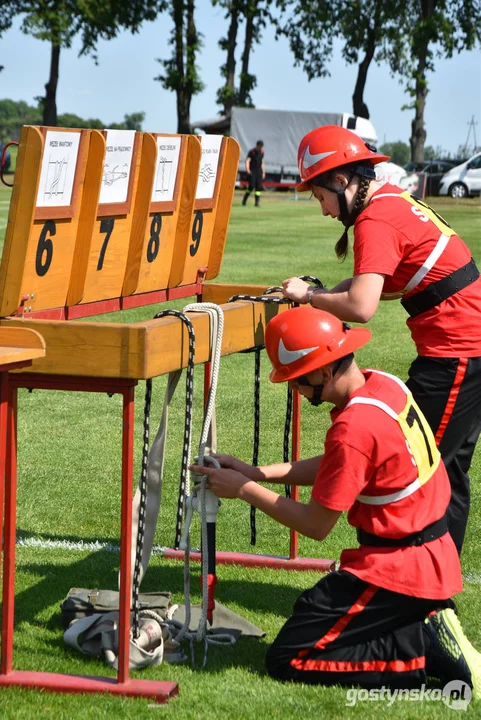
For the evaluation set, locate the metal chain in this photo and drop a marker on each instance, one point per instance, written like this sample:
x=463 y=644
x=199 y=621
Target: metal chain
x=287 y=436
x=145 y=454
x=257 y=430
x=266 y=298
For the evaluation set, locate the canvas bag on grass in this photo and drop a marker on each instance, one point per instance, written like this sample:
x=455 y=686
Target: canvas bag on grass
x=97 y=635
x=82 y=602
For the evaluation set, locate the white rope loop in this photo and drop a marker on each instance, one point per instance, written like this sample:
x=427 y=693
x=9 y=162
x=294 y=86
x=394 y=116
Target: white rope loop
x=216 y=317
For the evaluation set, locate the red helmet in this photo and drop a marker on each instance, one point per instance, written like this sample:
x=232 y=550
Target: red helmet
x=304 y=339
x=329 y=147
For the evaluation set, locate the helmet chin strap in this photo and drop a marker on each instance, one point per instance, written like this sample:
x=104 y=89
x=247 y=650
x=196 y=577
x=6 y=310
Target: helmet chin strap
x=316 y=397
x=344 y=214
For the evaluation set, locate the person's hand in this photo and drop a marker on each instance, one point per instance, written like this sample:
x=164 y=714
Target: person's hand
x=296 y=290
x=224 y=482
x=229 y=461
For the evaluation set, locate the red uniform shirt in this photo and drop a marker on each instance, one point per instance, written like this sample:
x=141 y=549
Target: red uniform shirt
x=366 y=453
x=393 y=238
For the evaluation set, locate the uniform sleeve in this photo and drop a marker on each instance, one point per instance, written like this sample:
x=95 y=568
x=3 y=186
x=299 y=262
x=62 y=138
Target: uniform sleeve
x=343 y=473
x=378 y=247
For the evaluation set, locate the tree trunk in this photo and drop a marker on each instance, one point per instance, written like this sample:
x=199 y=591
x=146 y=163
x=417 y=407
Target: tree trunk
x=190 y=71
x=244 y=86
x=359 y=107
x=418 y=133
x=183 y=124
x=230 y=62
x=49 y=102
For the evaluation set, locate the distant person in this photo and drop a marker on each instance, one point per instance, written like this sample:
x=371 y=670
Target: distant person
x=404 y=250
x=255 y=171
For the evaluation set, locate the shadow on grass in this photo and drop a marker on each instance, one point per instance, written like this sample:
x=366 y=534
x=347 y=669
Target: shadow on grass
x=99 y=569
x=49 y=582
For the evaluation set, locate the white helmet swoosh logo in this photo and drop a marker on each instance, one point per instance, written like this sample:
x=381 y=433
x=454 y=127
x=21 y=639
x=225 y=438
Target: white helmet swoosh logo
x=309 y=159
x=288 y=356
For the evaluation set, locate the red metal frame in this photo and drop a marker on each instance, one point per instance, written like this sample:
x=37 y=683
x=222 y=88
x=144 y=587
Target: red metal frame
x=105 y=306
x=157 y=690
x=123 y=685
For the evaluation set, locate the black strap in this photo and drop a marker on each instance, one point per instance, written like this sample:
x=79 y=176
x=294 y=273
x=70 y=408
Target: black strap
x=431 y=532
x=438 y=291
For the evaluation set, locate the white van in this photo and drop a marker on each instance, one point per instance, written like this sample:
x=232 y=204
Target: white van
x=463 y=180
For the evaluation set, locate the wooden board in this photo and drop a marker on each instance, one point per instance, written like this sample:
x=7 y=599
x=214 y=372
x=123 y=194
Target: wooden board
x=166 y=210
x=211 y=215
x=111 y=236
x=142 y=350
x=42 y=232
x=18 y=344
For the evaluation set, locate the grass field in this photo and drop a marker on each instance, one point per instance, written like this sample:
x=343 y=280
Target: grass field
x=69 y=490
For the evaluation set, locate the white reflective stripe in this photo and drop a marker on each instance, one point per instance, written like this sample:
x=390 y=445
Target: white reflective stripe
x=415 y=484
x=428 y=263
x=376 y=197
x=402 y=385
x=432 y=258
x=392 y=498
x=371 y=401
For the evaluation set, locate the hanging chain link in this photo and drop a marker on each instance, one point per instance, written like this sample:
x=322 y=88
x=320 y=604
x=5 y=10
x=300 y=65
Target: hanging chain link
x=266 y=297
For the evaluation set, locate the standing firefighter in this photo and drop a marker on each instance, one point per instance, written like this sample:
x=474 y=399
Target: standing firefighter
x=404 y=249
x=255 y=171
x=385 y=618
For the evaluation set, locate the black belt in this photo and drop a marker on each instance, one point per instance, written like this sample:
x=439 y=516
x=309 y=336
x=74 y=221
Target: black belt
x=430 y=532
x=438 y=291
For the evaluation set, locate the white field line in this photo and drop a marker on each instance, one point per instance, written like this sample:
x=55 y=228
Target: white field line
x=469 y=578
x=90 y=546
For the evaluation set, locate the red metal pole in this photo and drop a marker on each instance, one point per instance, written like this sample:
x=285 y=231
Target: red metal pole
x=207 y=374
x=8 y=412
x=295 y=454
x=126 y=532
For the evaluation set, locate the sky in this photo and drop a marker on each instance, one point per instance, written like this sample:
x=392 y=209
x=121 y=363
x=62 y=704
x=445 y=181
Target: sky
x=123 y=82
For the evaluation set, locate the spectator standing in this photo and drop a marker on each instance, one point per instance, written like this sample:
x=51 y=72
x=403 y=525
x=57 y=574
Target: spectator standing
x=255 y=171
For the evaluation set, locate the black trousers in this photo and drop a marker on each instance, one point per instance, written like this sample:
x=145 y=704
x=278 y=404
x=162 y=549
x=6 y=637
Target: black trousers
x=255 y=181
x=345 y=631
x=448 y=391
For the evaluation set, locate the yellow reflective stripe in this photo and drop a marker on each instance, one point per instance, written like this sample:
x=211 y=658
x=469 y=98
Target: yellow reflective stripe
x=419 y=442
x=427 y=212
x=424 y=212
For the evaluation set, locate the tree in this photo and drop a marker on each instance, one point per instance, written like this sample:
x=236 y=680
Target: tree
x=132 y=121
x=227 y=95
x=433 y=29
x=8 y=10
x=59 y=21
x=256 y=13
x=399 y=151
x=180 y=71
x=15 y=114
x=367 y=29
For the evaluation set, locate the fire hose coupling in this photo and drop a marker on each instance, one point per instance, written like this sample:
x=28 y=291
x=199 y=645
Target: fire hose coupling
x=212 y=505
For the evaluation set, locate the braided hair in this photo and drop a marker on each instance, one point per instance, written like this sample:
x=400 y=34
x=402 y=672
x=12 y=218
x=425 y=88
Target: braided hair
x=341 y=247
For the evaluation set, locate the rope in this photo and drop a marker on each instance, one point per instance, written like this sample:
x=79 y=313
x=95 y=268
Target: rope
x=137 y=576
x=216 y=317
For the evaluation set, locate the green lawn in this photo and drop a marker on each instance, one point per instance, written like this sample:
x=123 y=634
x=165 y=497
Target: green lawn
x=69 y=489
